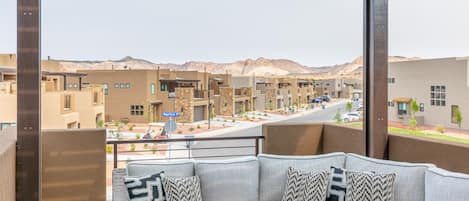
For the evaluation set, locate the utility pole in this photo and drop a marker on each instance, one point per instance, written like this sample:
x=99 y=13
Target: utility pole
x=208 y=106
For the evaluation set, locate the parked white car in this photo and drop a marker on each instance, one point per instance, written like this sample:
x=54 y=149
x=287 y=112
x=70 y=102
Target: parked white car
x=351 y=116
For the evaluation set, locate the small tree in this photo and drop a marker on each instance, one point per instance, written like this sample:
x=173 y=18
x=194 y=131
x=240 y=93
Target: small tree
x=414 y=107
x=349 y=106
x=132 y=147
x=458 y=117
x=338 y=117
x=413 y=123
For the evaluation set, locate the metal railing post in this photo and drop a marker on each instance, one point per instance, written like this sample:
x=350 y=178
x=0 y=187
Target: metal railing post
x=257 y=146
x=115 y=155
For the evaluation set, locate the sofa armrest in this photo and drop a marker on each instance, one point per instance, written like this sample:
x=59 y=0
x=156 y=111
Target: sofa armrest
x=119 y=190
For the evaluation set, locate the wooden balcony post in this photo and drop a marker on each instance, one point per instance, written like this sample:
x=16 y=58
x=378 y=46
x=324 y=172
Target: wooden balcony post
x=28 y=187
x=375 y=62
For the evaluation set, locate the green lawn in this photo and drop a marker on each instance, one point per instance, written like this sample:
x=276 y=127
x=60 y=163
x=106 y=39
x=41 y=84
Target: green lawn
x=417 y=133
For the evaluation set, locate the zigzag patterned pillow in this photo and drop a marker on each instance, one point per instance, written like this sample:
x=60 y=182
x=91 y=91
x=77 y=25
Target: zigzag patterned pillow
x=145 y=188
x=182 y=188
x=306 y=186
x=363 y=186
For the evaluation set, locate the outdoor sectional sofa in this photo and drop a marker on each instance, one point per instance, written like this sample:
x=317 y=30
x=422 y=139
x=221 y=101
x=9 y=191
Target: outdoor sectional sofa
x=264 y=178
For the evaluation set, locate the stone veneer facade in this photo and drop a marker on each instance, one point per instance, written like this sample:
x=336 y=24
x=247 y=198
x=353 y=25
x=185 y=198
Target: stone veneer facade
x=226 y=107
x=184 y=104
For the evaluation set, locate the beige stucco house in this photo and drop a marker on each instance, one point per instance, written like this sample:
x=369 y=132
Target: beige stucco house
x=439 y=86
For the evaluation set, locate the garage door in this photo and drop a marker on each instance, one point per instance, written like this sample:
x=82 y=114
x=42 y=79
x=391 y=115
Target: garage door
x=238 y=106
x=199 y=112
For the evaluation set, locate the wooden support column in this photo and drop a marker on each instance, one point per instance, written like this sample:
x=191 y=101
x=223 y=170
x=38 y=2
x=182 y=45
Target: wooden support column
x=28 y=100
x=375 y=62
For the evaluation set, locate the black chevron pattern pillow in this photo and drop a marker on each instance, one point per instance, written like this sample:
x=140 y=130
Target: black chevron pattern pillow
x=306 y=186
x=148 y=188
x=369 y=187
x=182 y=188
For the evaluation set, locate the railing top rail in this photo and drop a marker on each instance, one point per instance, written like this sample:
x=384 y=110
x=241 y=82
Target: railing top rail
x=184 y=139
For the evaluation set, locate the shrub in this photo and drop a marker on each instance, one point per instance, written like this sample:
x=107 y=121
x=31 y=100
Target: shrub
x=145 y=146
x=109 y=149
x=191 y=129
x=233 y=120
x=179 y=131
x=338 y=117
x=132 y=147
x=440 y=128
x=131 y=128
x=100 y=124
x=154 y=148
x=265 y=115
x=138 y=136
x=198 y=126
x=224 y=120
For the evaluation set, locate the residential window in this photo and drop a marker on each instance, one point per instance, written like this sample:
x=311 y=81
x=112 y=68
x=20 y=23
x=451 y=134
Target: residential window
x=401 y=108
x=153 y=88
x=106 y=88
x=95 y=97
x=164 y=87
x=391 y=104
x=116 y=85
x=127 y=85
x=136 y=110
x=391 y=80
x=438 y=95
x=68 y=102
x=122 y=85
x=454 y=108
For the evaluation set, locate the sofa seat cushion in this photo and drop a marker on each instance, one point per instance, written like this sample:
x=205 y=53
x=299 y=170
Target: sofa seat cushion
x=179 y=168
x=273 y=170
x=410 y=177
x=229 y=180
x=444 y=185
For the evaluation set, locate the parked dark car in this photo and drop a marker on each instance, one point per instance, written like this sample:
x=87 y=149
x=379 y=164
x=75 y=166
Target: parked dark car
x=317 y=100
x=326 y=98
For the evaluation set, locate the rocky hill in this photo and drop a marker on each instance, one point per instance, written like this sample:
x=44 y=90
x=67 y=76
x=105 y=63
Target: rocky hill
x=260 y=66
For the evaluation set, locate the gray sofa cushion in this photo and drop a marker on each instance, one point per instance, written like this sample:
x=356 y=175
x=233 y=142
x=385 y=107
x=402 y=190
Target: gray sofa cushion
x=273 y=170
x=182 y=168
x=229 y=180
x=178 y=168
x=444 y=185
x=410 y=177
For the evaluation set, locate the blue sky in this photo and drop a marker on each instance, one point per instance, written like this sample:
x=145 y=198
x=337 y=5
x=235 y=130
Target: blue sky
x=312 y=32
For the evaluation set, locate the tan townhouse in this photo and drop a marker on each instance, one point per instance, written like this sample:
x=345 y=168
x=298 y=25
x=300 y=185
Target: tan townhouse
x=141 y=96
x=439 y=86
x=80 y=107
x=339 y=87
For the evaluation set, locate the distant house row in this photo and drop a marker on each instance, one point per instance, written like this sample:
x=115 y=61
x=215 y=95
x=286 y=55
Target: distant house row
x=141 y=96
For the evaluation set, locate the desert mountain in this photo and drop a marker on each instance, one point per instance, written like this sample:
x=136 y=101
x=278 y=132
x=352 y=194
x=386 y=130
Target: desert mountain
x=260 y=66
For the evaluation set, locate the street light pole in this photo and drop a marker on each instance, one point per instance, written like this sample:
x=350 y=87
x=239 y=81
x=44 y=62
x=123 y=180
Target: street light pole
x=208 y=106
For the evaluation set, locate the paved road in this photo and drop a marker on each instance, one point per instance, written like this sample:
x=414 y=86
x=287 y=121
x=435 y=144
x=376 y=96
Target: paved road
x=325 y=115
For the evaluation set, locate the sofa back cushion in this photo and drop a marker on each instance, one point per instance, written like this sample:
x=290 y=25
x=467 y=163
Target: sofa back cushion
x=179 y=168
x=273 y=171
x=229 y=180
x=183 y=168
x=444 y=185
x=410 y=177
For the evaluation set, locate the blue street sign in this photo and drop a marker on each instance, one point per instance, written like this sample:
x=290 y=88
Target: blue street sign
x=170 y=114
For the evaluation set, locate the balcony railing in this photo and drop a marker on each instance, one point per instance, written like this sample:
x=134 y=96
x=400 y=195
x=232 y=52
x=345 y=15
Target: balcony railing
x=187 y=145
